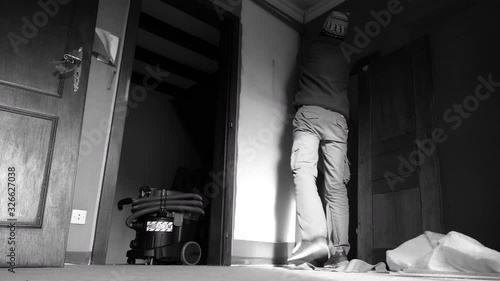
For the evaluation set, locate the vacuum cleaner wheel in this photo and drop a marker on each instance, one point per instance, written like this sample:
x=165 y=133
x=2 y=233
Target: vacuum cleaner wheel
x=191 y=253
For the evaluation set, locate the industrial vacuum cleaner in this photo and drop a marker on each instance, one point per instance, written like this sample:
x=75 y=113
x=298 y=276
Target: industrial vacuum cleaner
x=166 y=226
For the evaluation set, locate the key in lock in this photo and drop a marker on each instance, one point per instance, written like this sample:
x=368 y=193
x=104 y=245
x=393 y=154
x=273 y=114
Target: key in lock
x=71 y=62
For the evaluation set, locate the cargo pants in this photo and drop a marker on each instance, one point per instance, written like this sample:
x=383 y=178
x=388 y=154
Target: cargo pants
x=314 y=129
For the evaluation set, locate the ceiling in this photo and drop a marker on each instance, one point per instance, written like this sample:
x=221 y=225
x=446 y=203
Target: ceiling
x=304 y=4
x=304 y=10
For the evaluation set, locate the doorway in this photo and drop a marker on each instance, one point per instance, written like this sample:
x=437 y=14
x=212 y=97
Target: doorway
x=179 y=82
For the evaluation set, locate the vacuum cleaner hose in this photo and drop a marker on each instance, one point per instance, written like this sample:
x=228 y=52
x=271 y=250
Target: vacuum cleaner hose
x=143 y=212
x=166 y=203
x=171 y=197
x=179 y=202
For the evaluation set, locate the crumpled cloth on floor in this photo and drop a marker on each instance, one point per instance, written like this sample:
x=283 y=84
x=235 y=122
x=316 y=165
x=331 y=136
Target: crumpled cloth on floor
x=454 y=252
x=354 y=265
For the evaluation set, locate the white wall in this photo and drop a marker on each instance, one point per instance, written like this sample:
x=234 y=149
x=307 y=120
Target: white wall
x=112 y=16
x=461 y=52
x=265 y=203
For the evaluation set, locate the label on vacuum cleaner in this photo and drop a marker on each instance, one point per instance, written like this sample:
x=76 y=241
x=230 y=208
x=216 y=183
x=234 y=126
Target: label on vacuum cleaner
x=164 y=226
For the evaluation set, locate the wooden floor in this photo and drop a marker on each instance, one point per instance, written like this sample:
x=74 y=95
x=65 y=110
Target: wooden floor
x=201 y=273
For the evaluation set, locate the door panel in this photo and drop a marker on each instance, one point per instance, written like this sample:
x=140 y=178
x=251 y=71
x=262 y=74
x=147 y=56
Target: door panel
x=34 y=136
x=409 y=214
x=40 y=124
x=389 y=161
x=395 y=186
x=29 y=26
x=392 y=103
x=383 y=186
x=385 y=228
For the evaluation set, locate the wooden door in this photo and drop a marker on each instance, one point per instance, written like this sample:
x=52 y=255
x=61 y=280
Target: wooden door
x=399 y=183
x=40 y=125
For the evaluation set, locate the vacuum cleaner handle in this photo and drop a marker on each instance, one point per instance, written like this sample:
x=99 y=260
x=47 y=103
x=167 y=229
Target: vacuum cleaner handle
x=144 y=190
x=126 y=201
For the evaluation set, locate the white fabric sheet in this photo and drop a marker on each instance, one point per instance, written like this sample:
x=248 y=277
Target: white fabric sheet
x=454 y=252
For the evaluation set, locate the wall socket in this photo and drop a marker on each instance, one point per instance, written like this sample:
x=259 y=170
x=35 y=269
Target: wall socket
x=78 y=216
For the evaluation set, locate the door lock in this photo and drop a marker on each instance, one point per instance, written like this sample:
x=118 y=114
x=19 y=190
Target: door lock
x=71 y=62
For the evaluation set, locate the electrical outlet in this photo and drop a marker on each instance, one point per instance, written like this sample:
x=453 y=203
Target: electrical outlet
x=78 y=216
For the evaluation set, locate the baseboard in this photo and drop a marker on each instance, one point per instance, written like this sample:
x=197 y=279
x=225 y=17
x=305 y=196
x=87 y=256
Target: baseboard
x=263 y=253
x=78 y=257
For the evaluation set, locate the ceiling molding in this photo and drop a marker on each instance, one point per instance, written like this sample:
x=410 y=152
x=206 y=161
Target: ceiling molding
x=320 y=8
x=290 y=9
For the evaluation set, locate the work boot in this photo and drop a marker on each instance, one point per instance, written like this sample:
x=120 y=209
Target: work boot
x=337 y=259
x=314 y=251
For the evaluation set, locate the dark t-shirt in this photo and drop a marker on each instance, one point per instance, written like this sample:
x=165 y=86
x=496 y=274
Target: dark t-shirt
x=324 y=76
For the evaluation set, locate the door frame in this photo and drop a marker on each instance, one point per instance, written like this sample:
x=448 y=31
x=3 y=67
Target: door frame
x=222 y=203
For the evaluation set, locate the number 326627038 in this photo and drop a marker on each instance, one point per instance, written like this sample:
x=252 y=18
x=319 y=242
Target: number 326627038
x=11 y=186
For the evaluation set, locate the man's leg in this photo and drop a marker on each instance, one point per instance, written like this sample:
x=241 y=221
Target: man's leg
x=310 y=214
x=311 y=217
x=336 y=170
x=337 y=204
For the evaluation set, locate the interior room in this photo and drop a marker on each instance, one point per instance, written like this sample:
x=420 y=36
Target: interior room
x=197 y=98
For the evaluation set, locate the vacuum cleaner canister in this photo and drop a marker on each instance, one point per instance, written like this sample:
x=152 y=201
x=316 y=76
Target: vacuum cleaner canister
x=166 y=226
